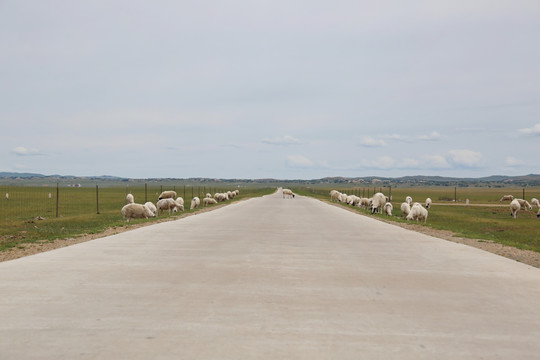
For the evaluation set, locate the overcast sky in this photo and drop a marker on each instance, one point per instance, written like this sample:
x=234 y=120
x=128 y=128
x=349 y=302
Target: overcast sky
x=295 y=89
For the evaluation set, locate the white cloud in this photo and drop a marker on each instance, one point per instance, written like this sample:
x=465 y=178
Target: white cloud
x=381 y=163
x=430 y=137
x=512 y=161
x=299 y=161
x=466 y=158
x=284 y=141
x=367 y=141
x=436 y=162
x=23 y=151
x=535 y=130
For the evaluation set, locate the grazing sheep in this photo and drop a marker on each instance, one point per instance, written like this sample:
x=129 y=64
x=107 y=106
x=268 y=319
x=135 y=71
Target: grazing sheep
x=343 y=197
x=514 y=208
x=428 y=203
x=287 y=193
x=377 y=202
x=130 y=199
x=136 y=211
x=418 y=213
x=220 y=197
x=7 y=196
x=152 y=207
x=524 y=204
x=208 y=195
x=195 y=202
x=180 y=200
x=388 y=208
x=353 y=200
x=535 y=202
x=335 y=195
x=167 y=195
x=209 y=201
x=405 y=209
x=507 y=198
x=408 y=200
x=169 y=205
x=364 y=203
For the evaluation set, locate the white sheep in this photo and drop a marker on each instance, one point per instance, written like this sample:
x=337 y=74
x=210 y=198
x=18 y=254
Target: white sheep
x=535 y=202
x=169 y=205
x=335 y=195
x=388 y=208
x=405 y=209
x=377 y=202
x=514 y=208
x=408 y=200
x=209 y=201
x=195 y=202
x=343 y=197
x=152 y=207
x=287 y=193
x=524 y=204
x=136 y=211
x=507 y=198
x=130 y=199
x=418 y=213
x=208 y=195
x=428 y=203
x=364 y=203
x=353 y=200
x=180 y=200
x=7 y=196
x=169 y=194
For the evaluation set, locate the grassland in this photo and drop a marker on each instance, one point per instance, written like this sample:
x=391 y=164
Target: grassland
x=36 y=214
x=485 y=218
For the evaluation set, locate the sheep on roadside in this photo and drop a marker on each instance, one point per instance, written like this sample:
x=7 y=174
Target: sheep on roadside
x=535 y=202
x=524 y=204
x=364 y=203
x=353 y=200
x=408 y=200
x=428 y=203
x=136 y=211
x=195 y=202
x=377 y=202
x=287 y=193
x=388 y=208
x=335 y=195
x=169 y=205
x=418 y=212
x=208 y=195
x=209 y=201
x=180 y=200
x=405 y=209
x=130 y=199
x=514 y=208
x=170 y=194
x=507 y=198
x=7 y=196
x=343 y=197
x=152 y=207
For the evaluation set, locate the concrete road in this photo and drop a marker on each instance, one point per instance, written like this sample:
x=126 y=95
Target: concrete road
x=269 y=278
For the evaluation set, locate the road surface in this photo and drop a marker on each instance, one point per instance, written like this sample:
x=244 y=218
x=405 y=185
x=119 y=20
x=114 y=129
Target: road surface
x=269 y=278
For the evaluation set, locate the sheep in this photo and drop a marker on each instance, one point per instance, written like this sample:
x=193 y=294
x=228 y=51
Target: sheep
x=418 y=213
x=208 y=195
x=507 y=198
x=170 y=194
x=287 y=193
x=377 y=202
x=428 y=203
x=343 y=198
x=524 y=204
x=221 y=197
x=408 y=200
x=514 y=208
x=353 y=200
x=209 y=201
x=535 y=202
x=168 y=204
x=136 y=211
x=195 y=202
x=130 y=199
x=7 y=196
x=364 y=203
x=180 y=200
x=405 y=209
x=335 y=195
x=388 y=208
x=152 y=207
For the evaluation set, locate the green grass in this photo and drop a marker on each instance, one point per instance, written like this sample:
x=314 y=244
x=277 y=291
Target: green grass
x=491 y=221
x=78 y=210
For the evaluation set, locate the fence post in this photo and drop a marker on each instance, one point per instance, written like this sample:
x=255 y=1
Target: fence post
x=523 y=194
x=57 y=194
x=145 y=192
x=97 y=199
x=455 y=194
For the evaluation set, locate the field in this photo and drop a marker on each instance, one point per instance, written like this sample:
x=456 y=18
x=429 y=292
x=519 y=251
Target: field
x=44 y=213
x=485 y=218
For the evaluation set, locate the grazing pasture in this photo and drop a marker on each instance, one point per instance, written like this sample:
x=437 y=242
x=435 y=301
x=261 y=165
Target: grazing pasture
x=484 y=218
x=44 y=213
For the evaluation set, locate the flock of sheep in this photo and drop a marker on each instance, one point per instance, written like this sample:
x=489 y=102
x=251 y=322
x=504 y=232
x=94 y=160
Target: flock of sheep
x=379 y=203
x=518 y=204
x=166 y=201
